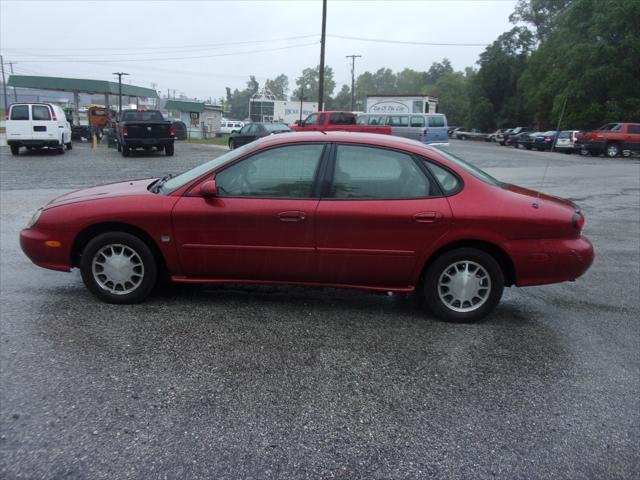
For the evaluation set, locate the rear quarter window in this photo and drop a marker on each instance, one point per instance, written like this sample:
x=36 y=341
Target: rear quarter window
x=20 y=112
x=449 y=183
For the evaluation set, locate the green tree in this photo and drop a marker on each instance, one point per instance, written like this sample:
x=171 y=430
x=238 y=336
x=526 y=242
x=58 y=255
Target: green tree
x=541 y=14
x=279 y=86
x=452 y=90
x=438 y=70
x=342 y=101
x=310 y=79
x=410 y=81
x=237 y=102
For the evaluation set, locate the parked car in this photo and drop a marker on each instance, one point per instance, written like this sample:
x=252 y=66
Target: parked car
x=514 y=131
x=500 y=137
x=330 y=209
x=338 y=121
x=429 y=128
x=451 y=130
x=494 y=136
x=144 y=129
x=525 y=139
x=37 y=126
x=471 y=133
x=545 y=141
x=230 y=126
x=180 y=129
x=566 y=141
x=611 y=139
x=513 y=140
x=255 y=130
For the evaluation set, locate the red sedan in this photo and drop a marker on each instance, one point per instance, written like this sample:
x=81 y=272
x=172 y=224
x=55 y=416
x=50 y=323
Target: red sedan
x=339 y=209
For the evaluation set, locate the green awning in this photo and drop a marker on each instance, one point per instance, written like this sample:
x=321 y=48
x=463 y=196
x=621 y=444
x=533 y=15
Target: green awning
x=184 y=106
x=79 y=85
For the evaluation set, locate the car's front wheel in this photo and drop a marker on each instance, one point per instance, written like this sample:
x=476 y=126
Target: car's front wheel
x=118 y=267
x=613 y=150
x=463 y=285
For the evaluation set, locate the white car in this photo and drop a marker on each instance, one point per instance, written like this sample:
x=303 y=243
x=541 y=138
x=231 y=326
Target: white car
x=37 y=125
x=230 y=126
x=566 y=141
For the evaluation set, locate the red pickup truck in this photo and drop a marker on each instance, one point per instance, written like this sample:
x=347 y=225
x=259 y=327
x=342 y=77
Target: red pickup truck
x=611 y=139
x=331 y=121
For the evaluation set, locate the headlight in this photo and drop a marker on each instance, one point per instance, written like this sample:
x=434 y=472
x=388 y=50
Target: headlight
x=34 y=218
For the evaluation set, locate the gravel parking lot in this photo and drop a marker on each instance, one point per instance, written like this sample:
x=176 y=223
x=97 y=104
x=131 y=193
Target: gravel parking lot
x=265 y=382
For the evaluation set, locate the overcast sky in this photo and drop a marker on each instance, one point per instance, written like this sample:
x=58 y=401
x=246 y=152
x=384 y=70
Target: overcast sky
x=279 y=37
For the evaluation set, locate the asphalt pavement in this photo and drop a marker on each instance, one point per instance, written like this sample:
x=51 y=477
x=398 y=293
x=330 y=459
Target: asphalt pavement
x=281 y=382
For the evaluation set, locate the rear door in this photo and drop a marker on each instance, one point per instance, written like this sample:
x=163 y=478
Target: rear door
x=436 y=129
x=378 y=217
x=42 y=123
x=19 y=123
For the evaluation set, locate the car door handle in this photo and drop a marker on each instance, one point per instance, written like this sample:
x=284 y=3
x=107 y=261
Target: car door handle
x=427 y=217
x=292 y=216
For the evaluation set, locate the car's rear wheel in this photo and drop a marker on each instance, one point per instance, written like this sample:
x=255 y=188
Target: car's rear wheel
x=126 y=151
x=69 y=146
x=15 y=150
x=232 y=144
x=463 y=285
x=168 y=150
x=118 y=267
x=613 y=150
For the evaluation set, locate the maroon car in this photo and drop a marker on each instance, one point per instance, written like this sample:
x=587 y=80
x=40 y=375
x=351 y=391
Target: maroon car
x=332 y=209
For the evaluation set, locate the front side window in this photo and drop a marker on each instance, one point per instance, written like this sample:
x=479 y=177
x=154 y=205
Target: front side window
x=374 y=173
x=282 y=172
x=311 y=119
x=246 y=129
x=20 y=112
x=41 y=112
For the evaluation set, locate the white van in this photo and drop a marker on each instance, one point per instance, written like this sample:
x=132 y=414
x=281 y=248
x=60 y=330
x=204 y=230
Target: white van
x=230 y=126
x=37 y=125
x=429 y=128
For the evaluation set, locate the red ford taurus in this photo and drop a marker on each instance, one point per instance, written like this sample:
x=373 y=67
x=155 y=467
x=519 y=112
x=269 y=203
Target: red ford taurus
x=339 y=209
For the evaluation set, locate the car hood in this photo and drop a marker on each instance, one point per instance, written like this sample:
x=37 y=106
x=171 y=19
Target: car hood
x=111 y=190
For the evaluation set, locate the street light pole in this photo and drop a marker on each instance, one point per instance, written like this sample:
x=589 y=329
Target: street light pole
x=120 y=74
x=353 y=68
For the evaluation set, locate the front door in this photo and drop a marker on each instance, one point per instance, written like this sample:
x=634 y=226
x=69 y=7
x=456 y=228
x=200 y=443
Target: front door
x=261 y=226
x=381 y=213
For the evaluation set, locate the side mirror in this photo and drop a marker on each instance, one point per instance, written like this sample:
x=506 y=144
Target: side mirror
x=209 y=189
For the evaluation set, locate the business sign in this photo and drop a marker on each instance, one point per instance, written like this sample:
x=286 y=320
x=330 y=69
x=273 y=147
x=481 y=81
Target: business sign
x=388 y=107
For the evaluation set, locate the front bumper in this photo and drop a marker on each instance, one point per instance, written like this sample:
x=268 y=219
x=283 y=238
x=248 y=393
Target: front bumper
x=539 y=262
x=34 y=244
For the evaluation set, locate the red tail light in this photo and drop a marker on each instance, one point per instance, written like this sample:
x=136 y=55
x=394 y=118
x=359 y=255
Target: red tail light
x=125 y=131
x=578 y=221
x=547 y=139
x=172 y=130
x=53 y=113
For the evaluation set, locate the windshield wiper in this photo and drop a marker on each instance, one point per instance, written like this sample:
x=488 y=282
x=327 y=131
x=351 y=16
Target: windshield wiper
x=159 y=183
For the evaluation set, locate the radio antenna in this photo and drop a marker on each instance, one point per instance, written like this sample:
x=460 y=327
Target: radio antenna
x=536 y=204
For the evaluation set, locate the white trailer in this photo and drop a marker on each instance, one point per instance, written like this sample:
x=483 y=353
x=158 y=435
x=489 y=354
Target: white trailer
x=402 y=104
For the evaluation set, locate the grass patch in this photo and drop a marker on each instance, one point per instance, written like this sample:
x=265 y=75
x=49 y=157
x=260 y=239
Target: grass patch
x=222 y=141
x=2 y=129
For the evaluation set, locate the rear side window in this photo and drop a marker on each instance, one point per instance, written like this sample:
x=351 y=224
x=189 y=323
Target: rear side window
x=41 y=112
x=20 y=112
x=398 y=120
x=375 y=173
x=633 y=129
x=564 y=134
x=448 y=182
x=417 y=121
x=436 y=121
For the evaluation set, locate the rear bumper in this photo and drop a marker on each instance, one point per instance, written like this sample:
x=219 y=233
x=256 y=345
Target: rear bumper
x=539 y=262
x=147 y=142
x=33 y=143
x=32 y=242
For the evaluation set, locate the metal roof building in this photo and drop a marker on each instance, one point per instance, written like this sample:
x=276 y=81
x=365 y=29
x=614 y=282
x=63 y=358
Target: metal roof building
x=79 y=85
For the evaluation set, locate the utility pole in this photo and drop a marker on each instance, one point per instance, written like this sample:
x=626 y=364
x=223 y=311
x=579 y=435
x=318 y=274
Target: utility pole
x=323 y=40
x=353 y=68
x=4 y=85
x=15 y=91
x=120 y=74
x=301 y=99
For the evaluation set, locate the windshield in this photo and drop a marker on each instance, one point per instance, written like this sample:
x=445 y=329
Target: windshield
x=475 y=171
x=276 y=127
x=179 y=181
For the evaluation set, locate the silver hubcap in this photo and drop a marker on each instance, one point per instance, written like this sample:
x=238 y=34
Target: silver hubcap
x=464 y=286
x=613 y=150
x=118 y=269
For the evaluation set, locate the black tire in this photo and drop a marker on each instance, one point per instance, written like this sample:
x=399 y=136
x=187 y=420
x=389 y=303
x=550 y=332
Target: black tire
x=612 y=150
x=126 y=151
x=168 y=150
x=232 y=144
x=15 y=150
x=69 y=146
x=146 y=275
x=445 y=263
x=119 y=147
x=60 y=150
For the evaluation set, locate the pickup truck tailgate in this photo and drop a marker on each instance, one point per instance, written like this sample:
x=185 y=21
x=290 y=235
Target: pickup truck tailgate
x=148 y=130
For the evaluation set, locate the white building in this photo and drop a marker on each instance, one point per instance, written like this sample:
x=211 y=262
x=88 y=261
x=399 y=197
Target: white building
x=264 y=107
x=402 y=104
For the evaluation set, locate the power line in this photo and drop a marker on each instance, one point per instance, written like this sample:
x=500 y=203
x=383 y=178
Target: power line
x=408 y=42
x=64 y=58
